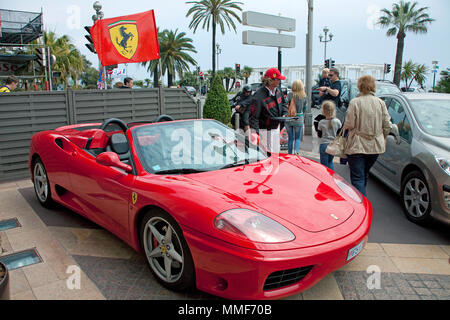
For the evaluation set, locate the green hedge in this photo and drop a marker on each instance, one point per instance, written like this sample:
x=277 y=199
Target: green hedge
x=217 y=105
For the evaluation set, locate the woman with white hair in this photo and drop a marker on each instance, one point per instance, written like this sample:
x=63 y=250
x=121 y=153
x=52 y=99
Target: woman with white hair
x=369 y=124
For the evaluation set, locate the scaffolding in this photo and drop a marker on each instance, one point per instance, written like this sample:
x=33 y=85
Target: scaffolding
x=20 y=27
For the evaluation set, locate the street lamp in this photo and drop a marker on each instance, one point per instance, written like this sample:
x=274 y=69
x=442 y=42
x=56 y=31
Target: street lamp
x=218 y=51
x=326 y=40
x=99 y=16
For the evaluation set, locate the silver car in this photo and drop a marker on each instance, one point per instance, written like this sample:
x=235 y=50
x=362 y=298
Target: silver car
x=416 y=163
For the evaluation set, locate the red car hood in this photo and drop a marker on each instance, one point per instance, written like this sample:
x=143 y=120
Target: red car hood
x=286 y=191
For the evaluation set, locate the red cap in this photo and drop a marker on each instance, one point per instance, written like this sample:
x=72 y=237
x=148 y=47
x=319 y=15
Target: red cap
x=274 y=73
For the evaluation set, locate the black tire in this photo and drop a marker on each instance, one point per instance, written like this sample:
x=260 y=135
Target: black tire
x=416 y=198
x=42 y=184
x=173 y=255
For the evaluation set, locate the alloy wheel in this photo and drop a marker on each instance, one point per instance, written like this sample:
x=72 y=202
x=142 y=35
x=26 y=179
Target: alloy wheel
x=163 y=249
x=416 y=198
x=41 y=185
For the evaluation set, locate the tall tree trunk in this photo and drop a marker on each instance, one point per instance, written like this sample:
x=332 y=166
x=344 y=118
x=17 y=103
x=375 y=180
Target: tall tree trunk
x=169 y=79
x=214 y=48
x=399 y=57
x=155 y=77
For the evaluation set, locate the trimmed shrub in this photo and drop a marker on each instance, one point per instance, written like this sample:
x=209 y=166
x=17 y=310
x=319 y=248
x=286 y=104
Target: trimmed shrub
x=217 y=105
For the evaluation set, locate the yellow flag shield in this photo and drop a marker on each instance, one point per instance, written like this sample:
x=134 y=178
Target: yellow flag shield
x=125 y=37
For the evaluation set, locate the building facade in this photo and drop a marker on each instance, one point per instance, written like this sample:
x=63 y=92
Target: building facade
x=347 y=71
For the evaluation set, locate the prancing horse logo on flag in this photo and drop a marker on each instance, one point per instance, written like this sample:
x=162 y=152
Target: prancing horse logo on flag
x=125 y=37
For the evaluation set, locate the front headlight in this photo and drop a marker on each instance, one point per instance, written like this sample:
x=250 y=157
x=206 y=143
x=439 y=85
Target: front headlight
x=250 y=225
x=347 y=188
x=444 y=164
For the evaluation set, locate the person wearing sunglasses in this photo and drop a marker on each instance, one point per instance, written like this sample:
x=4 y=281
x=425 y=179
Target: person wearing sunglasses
x=333 y=91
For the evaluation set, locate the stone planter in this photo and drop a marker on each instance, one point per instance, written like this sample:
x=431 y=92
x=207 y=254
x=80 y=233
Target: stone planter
x=4 y=283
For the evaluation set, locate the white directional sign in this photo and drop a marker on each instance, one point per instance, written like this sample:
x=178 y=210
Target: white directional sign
x=261 y=20
x=268 y=39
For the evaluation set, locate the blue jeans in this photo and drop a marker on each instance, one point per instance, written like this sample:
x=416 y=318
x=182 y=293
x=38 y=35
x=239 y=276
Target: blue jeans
x=294 y=137
x=325 y=158
x=360 y=165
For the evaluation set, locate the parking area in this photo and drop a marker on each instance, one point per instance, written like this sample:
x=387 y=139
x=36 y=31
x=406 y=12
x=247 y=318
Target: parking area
x=80 y=260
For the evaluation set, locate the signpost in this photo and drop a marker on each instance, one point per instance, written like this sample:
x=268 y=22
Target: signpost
x=435 y=71
x=267 y=39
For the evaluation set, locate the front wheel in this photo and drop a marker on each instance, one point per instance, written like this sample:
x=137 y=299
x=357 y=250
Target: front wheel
x=416 y=198
x=41 y=184
x=166 y=251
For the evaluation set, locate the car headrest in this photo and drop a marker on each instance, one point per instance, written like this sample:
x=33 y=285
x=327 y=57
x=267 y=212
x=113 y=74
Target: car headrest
x=119 y=143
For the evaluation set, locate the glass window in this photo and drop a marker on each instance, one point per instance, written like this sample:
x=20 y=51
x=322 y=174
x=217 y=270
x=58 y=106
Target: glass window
x=383 y=88
x=396 y=111
x=433 y=116
x=404 y=129
x=197 y=145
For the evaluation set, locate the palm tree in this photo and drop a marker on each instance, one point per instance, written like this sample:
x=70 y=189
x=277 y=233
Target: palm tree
x=211 y=13
x=408 y=73
x=420 y=74
x=414 y=72
x=69 y=60
x=403 y=17
x=153 y=65
x=228 y=74
x=246 y=73
x=175 y=58
x=174 y=48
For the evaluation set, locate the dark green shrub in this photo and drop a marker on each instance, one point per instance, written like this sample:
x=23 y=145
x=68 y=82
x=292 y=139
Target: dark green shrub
x=217 y=105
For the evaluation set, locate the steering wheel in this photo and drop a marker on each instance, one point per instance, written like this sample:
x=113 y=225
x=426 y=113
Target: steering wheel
x=163 y=118
x=119 y=122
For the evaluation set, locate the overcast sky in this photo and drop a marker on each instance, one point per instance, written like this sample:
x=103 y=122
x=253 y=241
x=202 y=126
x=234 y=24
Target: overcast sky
x=356 y=40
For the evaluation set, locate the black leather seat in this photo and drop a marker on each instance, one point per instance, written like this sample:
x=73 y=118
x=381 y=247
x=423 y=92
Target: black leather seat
x=118 y=143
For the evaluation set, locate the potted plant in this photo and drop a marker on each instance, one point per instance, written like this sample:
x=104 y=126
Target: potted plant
x=4 y=277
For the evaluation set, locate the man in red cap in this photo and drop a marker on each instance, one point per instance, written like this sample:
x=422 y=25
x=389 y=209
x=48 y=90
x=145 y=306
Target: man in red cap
x=268 y=103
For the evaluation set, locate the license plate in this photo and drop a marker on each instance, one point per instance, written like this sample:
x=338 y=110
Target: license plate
x=353 y=252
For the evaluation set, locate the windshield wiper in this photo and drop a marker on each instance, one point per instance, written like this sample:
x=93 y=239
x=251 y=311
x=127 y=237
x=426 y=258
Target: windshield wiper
x=235 y=164
x=180 y=171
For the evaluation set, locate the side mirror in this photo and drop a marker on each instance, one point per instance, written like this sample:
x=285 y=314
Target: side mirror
x=111 y=159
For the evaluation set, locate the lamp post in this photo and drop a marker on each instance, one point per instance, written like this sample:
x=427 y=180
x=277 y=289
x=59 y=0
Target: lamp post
x=309 y=64
x=218 y=51
x=435 y=70
x=326 y=40
x=98 y=16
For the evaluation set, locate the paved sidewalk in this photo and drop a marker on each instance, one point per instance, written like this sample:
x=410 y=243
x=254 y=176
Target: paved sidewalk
x=111 y=270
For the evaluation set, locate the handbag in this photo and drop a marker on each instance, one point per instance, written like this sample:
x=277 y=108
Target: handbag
x=337 y=146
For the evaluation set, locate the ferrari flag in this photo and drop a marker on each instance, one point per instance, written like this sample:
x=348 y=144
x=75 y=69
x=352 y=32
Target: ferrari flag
x=126 y=39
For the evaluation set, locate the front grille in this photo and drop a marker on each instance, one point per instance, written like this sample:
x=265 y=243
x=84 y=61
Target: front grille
x=285 y=278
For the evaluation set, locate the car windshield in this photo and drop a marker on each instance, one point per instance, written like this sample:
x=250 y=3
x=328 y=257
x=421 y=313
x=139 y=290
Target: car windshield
x=192 y=146
x=433 y=116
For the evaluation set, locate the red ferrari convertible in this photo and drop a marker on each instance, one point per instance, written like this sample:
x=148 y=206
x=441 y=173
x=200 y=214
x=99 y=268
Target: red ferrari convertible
x=207 y=207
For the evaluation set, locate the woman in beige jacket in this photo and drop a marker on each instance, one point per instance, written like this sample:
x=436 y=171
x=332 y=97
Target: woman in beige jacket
x=369 y=124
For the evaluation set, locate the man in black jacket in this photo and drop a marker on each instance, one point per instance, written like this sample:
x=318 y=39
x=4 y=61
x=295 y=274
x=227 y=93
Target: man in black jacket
x=268 y=103
x=240 y=103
